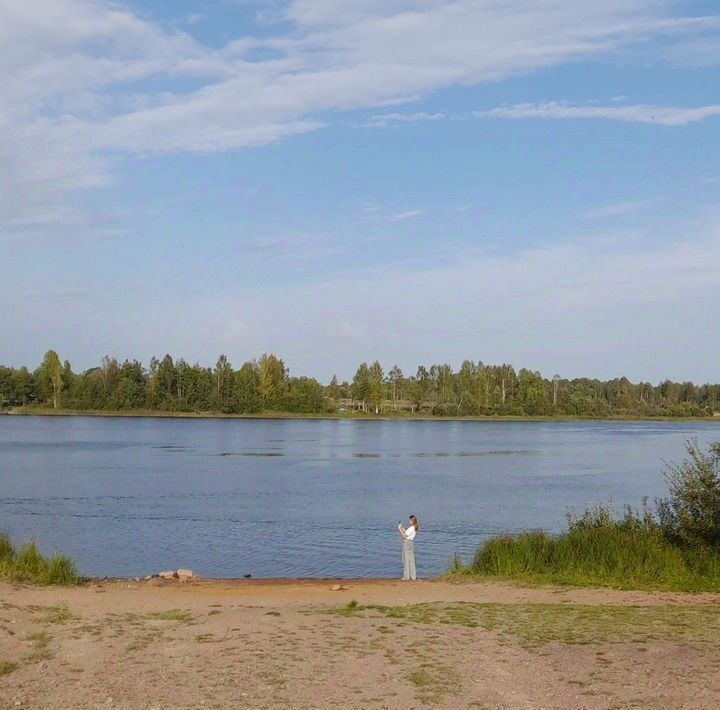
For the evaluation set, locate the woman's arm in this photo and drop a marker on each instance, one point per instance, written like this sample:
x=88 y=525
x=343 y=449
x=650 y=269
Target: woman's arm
x=401 y=530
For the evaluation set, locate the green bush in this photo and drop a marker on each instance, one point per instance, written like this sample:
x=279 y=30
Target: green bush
x=60 y=571
x=615 y=555
x=675 y=546
x=29 y=565
x=7 y=551
x=690 y=515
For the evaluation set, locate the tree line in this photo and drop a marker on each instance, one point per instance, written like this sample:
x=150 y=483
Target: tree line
x=265 y=385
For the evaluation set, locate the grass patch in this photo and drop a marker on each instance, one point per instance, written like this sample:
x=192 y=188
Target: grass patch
x=28 y=565
x=180 y=615
x=143 y=641
x=39 y=641
x=7 y=667
x=534 y=625
x=432 y=682
x=7 y=550
x=349 y=609
x=675 y=546
x=610 y=553
x=55 y=615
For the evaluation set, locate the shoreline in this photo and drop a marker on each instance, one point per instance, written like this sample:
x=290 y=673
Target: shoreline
x=337 y=591
x=282 y=416
x=389 y=590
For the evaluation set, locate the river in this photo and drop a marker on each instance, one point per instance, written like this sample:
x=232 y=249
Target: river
x=310 y=498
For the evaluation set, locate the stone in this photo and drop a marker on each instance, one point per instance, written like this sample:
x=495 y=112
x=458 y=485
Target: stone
x=336 y=588
x=184 y=574
x=169 y=574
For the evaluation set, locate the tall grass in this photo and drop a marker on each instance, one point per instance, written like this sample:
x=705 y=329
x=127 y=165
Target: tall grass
x=674 y=546
x=28 y=565
x=598 y=549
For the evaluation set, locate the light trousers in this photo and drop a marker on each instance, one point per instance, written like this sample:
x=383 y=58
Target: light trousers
x=409 y=559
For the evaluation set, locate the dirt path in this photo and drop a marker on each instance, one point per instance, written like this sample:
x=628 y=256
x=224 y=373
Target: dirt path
x=384 y=644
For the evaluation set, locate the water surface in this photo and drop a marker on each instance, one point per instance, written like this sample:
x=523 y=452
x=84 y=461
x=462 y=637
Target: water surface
x=280 y=498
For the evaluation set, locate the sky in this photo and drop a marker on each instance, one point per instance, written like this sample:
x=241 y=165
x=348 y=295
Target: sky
x=526 y=181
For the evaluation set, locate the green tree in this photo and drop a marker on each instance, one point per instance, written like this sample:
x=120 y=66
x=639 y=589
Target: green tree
x=131 y=386
x=51 y=376
x=556 y=380
x=445 y=380
x=361 y=385
x=273 y=381
x=110 y=372
x=421 y=387
x=376 y=388
x=6 y=385
x=23 y=385
x=533 y=392
x=223 y=376
x=335 y=390
x=247 y=389
x=395 y=378
x=166 y=383
x=304 y=395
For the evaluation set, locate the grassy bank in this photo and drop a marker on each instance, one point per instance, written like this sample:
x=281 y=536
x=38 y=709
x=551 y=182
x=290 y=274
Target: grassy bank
x=387 y=416
x=26 y=564
x=675 y=546
x=610 y=557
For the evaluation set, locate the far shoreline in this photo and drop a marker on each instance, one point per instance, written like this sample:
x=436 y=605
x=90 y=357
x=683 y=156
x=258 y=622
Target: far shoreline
x=350 y=416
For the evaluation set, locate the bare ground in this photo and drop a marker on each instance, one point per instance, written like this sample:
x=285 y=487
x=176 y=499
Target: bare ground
x=383 y=644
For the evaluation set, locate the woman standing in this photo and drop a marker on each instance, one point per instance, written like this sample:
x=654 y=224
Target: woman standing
x=408 y=535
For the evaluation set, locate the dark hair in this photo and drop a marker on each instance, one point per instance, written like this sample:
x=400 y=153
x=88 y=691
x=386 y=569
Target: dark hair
x=415 y=522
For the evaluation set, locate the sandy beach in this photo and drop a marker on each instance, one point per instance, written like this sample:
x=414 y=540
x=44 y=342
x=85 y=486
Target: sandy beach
x=373 y=643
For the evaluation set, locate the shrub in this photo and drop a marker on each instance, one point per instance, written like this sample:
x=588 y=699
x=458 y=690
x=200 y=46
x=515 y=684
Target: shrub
x=61 y=571
x=625 y=553
x=7 y=551
x=599 y=548
x=29 y=565
x=675 y=546
x=690 y=515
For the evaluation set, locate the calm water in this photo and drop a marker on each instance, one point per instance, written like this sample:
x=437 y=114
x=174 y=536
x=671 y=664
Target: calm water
x=309 y=498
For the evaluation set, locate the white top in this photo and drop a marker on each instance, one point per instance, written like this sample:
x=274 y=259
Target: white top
x=410 y=533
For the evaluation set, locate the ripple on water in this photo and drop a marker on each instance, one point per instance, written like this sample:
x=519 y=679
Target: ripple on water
x=443 y=454
x=260 y=454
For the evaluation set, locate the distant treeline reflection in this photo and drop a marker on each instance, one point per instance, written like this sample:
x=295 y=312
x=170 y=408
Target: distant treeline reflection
x=265 y=385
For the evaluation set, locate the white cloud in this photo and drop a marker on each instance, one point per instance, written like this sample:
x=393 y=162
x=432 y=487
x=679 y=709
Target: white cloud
x=41 y=217
x=618 y=209
x=597 y=307
x=402 y=216
x=293 y=247
x=382 y=120
x=75 y=89
x=658 y=115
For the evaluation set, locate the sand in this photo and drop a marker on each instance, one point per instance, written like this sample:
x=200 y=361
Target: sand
x=299 y=644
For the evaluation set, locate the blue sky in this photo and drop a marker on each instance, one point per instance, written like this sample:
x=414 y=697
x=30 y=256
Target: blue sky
x=339 y=180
